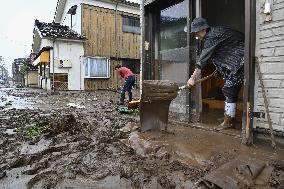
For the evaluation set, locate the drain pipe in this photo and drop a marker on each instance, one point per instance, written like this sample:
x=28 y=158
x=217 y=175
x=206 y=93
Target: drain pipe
x=115 y=25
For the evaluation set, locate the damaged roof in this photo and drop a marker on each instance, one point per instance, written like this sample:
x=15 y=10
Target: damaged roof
x=55 y=30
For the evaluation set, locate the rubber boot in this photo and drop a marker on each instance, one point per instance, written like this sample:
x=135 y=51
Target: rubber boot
x=229 y=122
x=130 y=96
x=229 y=117
x=121 y=101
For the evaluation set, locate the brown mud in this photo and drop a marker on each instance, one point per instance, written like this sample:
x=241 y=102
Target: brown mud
x=46 y=143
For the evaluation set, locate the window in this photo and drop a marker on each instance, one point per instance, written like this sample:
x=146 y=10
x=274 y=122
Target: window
x=97 y=67
x=131 y=24
x=132 y=64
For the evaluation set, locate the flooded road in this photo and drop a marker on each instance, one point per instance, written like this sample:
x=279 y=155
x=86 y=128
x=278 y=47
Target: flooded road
x=9 y=101
x=79 y=140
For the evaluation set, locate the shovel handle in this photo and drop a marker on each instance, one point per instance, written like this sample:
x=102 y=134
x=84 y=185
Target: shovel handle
x=198 y=81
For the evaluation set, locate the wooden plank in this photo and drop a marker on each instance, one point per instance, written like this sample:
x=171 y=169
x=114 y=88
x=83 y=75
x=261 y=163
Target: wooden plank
x=103 y=33
x=129 y=45
x=91 y=21
x=107 y=29
x=91 y=34
x=86 y=28
x=113 y=36
x=106 y=43
x=98 y=53
x=120 y=34
x=126 y=45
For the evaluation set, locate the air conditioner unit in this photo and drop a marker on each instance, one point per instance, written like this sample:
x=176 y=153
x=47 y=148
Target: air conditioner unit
x=63 y=63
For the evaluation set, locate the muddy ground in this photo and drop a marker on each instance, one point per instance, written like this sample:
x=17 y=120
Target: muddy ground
x=78 y=140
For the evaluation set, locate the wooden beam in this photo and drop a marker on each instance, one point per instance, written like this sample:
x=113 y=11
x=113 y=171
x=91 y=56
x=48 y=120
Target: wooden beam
x=248 y=95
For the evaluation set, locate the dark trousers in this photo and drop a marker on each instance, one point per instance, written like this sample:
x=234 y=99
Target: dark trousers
x=128 y=84
x=231 y=93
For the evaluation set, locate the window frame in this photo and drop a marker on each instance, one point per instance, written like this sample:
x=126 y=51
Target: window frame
x=129 y=25
x=87 y=61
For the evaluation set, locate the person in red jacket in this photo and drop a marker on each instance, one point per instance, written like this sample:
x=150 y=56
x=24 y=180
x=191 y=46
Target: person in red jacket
x=129 y=77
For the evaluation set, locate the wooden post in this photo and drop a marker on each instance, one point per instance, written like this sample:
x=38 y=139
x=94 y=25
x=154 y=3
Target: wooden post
x=248 y=95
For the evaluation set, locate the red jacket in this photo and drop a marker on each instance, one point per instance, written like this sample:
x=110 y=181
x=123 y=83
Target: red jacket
x=124 y=72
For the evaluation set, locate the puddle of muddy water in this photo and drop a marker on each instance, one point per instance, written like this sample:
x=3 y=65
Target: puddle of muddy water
x=199 y=147
x=10 y=132
x=28 y=149
x=110 y=182
x=10 y=102
x=114 y=182
x=15 y=179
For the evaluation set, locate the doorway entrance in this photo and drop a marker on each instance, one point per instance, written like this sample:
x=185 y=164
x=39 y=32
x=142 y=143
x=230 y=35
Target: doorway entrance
x=228 y=13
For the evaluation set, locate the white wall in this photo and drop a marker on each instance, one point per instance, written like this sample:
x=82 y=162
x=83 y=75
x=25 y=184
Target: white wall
x=270 y=53
x=76 y=19
x=72 y=51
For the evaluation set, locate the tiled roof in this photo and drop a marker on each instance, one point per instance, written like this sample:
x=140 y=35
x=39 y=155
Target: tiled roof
x=127 y=3
x=55 y=30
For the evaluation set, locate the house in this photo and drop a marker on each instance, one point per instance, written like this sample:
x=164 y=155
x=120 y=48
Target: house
x=170 y=52
x=31 y=72
x=3 y=71
x=59 y=56
x=18 y=76
x=112 y=28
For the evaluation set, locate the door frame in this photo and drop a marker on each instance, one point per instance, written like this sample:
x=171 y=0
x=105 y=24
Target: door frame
x=249 y=72
x=249 y=57
x=249 y=69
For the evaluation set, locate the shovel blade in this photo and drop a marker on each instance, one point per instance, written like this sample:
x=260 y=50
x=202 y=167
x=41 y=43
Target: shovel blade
x=155 y=102
x=154 y=116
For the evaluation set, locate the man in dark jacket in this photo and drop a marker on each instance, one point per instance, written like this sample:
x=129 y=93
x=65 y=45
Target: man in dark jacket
x=225 y=47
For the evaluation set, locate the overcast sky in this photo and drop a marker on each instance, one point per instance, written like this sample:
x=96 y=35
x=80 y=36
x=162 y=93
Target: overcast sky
x=17 y=23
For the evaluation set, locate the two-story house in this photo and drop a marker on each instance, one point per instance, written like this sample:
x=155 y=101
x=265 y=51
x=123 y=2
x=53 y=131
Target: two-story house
x=112 y=29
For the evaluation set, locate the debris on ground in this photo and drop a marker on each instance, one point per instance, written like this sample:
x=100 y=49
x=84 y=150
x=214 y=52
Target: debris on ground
x=46 y=144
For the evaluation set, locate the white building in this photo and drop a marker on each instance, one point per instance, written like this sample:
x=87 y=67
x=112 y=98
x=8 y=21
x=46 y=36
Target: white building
x=60 y=51
x=64 y=6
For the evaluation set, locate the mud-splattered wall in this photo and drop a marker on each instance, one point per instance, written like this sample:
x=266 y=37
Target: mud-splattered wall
x=270 y=53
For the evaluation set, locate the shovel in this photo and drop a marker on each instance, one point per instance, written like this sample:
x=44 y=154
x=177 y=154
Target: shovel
x=197 y=82
x=155 y=102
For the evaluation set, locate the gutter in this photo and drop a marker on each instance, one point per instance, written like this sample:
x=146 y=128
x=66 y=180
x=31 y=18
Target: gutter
x=69 y=40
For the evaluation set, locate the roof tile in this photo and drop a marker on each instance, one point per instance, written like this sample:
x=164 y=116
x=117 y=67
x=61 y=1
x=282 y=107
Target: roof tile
x=55 y=30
